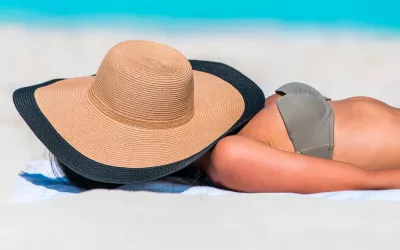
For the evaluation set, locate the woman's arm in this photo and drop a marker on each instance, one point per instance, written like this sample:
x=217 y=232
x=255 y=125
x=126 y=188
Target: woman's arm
x=246 y=165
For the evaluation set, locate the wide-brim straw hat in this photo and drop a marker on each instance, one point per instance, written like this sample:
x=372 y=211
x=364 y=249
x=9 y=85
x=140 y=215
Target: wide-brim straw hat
x=147 y=113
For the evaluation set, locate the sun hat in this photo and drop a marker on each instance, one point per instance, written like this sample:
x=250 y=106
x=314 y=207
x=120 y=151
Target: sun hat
x=147 y=113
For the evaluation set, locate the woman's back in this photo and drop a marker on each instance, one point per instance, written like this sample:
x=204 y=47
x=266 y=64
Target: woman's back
x=366 y=132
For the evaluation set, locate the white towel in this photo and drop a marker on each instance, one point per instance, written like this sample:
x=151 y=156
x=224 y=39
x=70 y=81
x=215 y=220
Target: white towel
x=38 y=181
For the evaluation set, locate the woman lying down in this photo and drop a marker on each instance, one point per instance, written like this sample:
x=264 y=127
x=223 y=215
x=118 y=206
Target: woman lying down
x=149 y=113
x=305 y=143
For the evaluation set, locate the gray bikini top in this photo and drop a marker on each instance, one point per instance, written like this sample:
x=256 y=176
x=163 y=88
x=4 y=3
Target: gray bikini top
x=308 y=118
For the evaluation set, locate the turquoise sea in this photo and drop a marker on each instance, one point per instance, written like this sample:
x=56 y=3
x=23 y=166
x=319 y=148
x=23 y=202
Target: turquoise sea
x=375 y=14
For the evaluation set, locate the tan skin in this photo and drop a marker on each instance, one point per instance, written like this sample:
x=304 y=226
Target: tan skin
x=261 y=158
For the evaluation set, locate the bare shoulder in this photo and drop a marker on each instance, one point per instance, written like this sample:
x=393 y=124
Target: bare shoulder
x=272 y=99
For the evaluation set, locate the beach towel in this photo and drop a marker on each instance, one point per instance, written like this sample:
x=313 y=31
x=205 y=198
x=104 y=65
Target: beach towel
x=38 y=181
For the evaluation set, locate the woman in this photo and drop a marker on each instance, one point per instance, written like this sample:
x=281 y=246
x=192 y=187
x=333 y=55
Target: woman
x=149 y=113
x=359 y=146
x=364 y=152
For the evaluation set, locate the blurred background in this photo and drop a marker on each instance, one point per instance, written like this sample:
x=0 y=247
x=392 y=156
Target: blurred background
x=378 y=14
x=343 y=48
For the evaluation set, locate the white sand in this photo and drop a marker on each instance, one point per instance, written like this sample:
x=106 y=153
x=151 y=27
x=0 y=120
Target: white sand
x=118 y=220
x=339 y=64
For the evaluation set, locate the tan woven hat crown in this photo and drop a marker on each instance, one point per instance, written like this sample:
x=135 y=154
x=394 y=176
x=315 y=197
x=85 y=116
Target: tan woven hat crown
x=146 y=113
x=145 y=84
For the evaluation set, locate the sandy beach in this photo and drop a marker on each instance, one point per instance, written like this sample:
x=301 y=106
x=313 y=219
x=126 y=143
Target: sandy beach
x=338 y=63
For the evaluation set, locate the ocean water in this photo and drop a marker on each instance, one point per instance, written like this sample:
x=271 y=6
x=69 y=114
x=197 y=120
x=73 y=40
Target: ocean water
x=373 y=14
